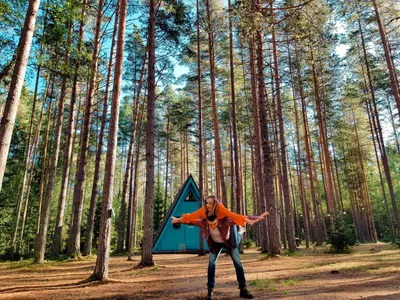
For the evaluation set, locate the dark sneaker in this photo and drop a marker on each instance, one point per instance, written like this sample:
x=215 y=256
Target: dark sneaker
x=210 y=294
x=244 y=293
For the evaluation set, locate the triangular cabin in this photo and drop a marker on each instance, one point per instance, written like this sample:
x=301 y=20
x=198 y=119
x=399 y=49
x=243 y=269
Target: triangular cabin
x=180 y=238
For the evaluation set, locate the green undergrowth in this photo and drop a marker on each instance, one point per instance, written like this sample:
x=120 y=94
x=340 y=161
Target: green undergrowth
x=274 y=284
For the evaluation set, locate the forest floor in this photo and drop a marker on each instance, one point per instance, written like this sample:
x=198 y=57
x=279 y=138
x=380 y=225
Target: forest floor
x=371 y=271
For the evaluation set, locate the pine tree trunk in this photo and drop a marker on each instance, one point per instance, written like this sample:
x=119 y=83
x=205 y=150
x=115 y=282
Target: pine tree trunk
x=220 y=180
x=127 y=178
x=68 y=147
x=303 y=200
x=103 y=250
x=396 y=136
x=378 y=129
x=267 y=161
x=371 y=222
x=341 y=206
x=238 y=186
x=40 y=244
x=45 y=168
x=131 y=216
x=96 y=176
x=317 y=220
x=167 y=154
x=325 y=151
x=147 y=255
x=389 y=64
x=10 y=110
x=231 y=169
x=257 y=164
x=28 y=159
x=200 y=115
x=77 y=207
x=57 y=140
x=134 y=191
x=285 y=178
x=372 y=127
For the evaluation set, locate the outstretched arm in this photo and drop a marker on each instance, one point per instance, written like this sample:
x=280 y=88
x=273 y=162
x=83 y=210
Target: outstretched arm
x=196 y=222
x=223 y=212
x=257 y=219
x=190 y=218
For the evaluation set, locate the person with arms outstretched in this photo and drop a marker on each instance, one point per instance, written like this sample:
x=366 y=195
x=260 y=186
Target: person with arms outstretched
x=215 y=222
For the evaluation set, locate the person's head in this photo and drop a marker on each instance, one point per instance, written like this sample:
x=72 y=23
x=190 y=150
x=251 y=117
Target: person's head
x=212 y=221
x=211 y=205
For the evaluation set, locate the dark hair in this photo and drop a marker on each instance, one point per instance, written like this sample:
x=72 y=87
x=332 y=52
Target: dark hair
x=211 y=217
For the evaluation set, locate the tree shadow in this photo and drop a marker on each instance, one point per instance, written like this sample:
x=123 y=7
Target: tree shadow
x=80 y=284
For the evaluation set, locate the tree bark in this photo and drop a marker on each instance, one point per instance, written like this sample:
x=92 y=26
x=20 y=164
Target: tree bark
x=259 y=183
x=303 y=200
x=132 y=200
x=267 y=161
x=378 y=129
x=325 y=151
x=147 y=255
x=317 y=220
x=103 y=251
x=27 y=156
x=133 y=195
x=220 y=180
x=238 y=186
x=285 y=177
x=68 y=147
x=14 y=94
x=40 y=245
x=200 y=124
x=93 y=200
x=77 y=207
x=389 y=64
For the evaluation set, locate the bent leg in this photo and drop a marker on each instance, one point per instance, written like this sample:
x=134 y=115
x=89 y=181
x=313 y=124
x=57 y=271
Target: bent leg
x=234 y=253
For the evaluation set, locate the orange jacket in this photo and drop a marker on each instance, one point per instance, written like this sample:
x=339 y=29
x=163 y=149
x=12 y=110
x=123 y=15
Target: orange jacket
x=222 y=212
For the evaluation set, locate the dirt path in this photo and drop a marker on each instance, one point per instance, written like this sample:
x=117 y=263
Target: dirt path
x=371 y=272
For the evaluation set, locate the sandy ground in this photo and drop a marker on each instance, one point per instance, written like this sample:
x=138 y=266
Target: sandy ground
x=372 y=271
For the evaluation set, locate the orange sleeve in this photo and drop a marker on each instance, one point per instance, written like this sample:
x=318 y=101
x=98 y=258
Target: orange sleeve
x=222 y=212
x=190 y=218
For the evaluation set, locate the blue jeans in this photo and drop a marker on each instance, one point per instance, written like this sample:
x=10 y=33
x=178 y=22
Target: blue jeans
x=234 y=253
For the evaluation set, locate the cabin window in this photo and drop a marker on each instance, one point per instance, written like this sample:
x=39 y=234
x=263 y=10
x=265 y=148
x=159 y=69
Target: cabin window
x=190 y=197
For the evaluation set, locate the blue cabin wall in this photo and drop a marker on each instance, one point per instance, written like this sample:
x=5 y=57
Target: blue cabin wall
x=186 y=237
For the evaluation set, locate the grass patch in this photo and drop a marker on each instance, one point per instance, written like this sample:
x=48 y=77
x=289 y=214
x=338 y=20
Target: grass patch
x=271 y=284
x=292 y=253
x=262 y=283
x=155 y=268
x=147 y=270
x=270 y=256
x=290 y=281
x=49 y=262
x=247 y=244
x=19 y=264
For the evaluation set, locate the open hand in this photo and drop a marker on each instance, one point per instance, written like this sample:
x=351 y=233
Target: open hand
x=175 y=220
x=262 y=216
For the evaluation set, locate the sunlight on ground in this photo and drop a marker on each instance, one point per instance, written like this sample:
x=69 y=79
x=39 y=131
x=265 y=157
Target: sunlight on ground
x=371 y=270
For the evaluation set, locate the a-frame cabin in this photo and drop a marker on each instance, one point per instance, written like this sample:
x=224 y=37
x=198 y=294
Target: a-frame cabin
x=174 y=238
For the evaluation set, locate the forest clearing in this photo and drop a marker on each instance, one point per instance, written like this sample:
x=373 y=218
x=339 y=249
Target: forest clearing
x=174 y=126
x=371 y=271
